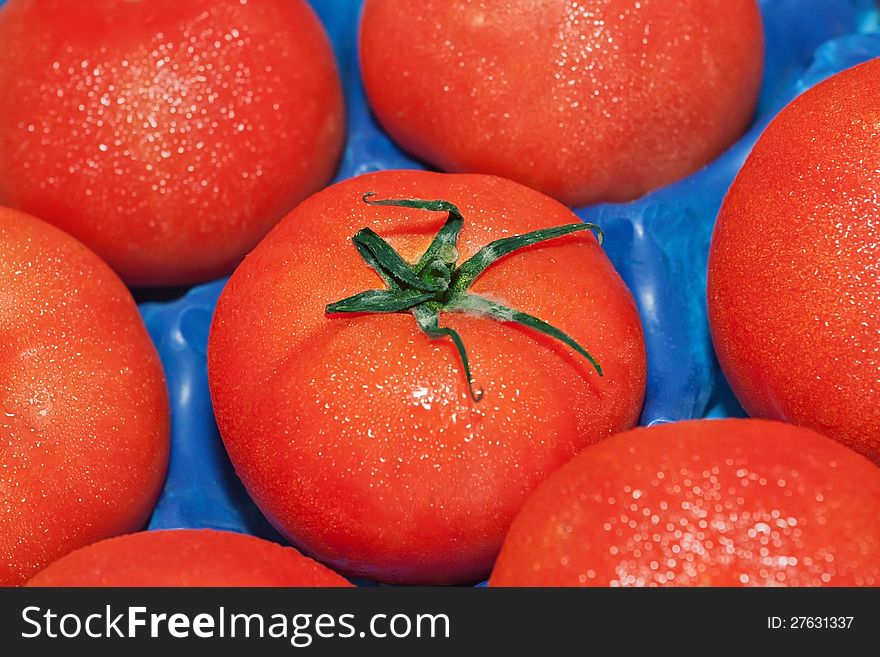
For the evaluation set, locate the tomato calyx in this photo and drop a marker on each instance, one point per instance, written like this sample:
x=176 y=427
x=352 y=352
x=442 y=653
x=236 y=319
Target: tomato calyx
x=438 y=284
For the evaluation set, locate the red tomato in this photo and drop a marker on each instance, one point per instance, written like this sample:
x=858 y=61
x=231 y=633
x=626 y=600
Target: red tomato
x=186 y=557
x=168 y=135
x=83 y=409
x=357 y=435
x=587 y=100
x=717 y=503
x=794 y=267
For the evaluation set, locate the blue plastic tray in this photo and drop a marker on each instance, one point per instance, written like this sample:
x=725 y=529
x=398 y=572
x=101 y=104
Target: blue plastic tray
x=659 y=245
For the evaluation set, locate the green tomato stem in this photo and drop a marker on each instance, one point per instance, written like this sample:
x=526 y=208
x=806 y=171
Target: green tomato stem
x=437 y=284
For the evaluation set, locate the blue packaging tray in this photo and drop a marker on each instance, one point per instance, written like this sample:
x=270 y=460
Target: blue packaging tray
x=659 y=245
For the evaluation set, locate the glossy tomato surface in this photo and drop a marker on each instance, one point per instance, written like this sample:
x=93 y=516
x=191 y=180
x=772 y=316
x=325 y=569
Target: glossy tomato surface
x=83 y=407
x=794 y=267
x=587 y=100
x=701 y=503
x=167 y=135
x=186 y=557
x=356 y=434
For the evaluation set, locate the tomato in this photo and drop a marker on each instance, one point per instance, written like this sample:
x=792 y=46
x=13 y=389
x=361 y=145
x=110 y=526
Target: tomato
x=83 y=408
x=701 y=503
x=357 y=434
x=794 y=284
x=168 y=135
x=587 y=100
x=186 y=557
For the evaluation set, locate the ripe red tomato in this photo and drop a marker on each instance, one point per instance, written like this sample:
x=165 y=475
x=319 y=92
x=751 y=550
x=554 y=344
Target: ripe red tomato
x=83 y=409
x=186 y=557
x=357 y=435
x=717 y=503
x=587 y=100
x=794 y=266
x=168 y=135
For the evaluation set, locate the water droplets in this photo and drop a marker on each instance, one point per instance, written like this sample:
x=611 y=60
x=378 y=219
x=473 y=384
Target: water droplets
x=189 y=111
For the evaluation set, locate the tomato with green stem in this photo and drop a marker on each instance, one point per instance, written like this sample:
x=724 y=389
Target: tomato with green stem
x=390 y=403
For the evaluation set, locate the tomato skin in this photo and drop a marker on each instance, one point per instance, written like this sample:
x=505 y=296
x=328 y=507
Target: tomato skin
x=793 y=283
x=84 y=419
x=186 y=557
x=168 y=135
x=356 y=435
x=536 y=92
x=701 y=503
